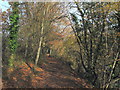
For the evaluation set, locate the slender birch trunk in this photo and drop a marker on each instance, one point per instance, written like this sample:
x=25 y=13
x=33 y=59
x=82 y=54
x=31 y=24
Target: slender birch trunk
x=41 y=38
x=40 y=44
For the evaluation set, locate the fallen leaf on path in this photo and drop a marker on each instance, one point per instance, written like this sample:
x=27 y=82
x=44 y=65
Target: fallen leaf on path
x=38 y=78
x=39 y=69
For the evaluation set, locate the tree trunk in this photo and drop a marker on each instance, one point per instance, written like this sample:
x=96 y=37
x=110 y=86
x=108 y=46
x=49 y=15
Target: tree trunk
x=40 y=44
x=26 y=49
x=41 y=38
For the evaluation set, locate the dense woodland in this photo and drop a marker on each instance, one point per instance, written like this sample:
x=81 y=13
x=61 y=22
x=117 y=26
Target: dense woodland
x=83 y=36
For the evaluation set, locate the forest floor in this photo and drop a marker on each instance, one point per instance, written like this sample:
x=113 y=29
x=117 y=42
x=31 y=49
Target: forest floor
x=52 y=74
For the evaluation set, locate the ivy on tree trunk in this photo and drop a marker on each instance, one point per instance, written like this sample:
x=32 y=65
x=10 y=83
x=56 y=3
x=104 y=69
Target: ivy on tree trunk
x=13 y=30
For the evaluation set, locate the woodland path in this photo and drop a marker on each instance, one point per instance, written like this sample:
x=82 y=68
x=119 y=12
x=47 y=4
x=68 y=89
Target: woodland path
x=52 y=74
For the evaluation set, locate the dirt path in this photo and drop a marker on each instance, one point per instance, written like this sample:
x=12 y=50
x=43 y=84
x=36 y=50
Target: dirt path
x=59 y=75
x=52 y=74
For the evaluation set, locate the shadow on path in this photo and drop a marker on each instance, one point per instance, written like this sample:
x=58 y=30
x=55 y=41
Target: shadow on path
x=60 y=76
